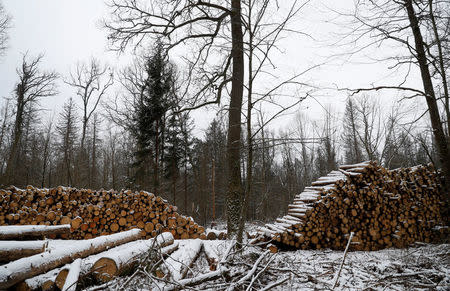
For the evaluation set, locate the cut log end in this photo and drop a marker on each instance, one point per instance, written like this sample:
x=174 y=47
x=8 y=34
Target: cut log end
x=105 y=269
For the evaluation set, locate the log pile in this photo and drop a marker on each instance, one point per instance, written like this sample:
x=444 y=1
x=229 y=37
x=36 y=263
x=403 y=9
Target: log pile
x=98 y=258
x=94 y=213
x=24 y=268
x=383 y=208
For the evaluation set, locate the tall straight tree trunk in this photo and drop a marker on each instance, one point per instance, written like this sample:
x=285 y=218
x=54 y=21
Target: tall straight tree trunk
x=441 y=65
x=46 y=155
x=438 y=131
x=174 y=182
x=249 y=180
x=265 y=210
x=12 y=159
x=93 y=179
x=155 y=165
x=234 y=194
x=185 y=187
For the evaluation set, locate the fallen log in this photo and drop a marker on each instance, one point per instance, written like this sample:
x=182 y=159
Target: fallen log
x=177 y=265
x=118 y=261
x=212 y=251
x=14 y=250
x=21 y=232
x=19 y=270
x=72 y=277
x=44 y=281
x=87 y=263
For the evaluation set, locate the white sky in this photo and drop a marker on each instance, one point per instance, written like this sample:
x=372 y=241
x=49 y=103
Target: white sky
x=70 y=31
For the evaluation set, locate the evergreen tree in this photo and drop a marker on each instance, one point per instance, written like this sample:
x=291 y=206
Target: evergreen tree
x=148 y=121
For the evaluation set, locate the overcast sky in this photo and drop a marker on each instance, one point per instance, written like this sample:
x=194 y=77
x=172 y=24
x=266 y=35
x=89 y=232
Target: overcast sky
x=70 y=31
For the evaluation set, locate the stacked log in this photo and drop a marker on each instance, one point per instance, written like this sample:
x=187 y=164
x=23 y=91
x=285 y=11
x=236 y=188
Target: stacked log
x=24 y=268
x=383 y=208
x=105 y=257
x=94 y=213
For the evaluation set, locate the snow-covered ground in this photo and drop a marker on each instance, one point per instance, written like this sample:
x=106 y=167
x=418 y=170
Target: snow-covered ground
x=420 y=267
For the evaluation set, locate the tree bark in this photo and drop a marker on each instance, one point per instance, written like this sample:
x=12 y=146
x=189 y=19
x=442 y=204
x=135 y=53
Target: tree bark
x=234 y=195
x=23 y=232
x=11 y=165
x=249 y=180
x=441 y=65
x=438 y=131
x=17 y=271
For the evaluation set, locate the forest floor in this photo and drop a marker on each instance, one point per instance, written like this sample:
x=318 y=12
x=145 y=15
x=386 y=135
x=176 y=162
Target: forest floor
x=419 y=267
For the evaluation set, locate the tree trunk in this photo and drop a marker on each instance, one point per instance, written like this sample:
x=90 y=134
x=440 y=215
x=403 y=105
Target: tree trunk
x=155 y=165
x=234 y=194
x=20 y=270
x=174 y=183
x=122 y=259
x=249 y=180
x=441 y=66
x=185 y=188
x=11 y=165
x=14 y=250
x=439 y=135
x=23 y=232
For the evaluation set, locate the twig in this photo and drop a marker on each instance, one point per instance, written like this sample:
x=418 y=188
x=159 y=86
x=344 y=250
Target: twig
x=224 y=258
x=250 y=273
x=270 y=286
x=101 y=287
x=198 y=280
x=343 y=260
x=257 y=275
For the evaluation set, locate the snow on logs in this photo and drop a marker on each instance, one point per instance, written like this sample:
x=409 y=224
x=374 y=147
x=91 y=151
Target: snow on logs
x=119 y=260
x=106 y=265
x=72 y=278
x=384 y=208
x=19 y=270
x=22 y=232
x=44 y=281
x=179 y=262
x=13 y=250
x=93 y=213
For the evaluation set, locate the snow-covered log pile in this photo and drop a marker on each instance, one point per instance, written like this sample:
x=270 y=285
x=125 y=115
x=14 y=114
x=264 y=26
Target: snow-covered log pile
x=66 y=266
x=26 y=267
x=420 y=267
x=383 y=208
x=93 y=213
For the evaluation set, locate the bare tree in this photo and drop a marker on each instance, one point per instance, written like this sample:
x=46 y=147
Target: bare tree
x=91 y=82
x=262 y=34
x=371 y=134
x=32 y=86
x=414 y=26
x=5 y=23
x=5 y=128
x=204 y=25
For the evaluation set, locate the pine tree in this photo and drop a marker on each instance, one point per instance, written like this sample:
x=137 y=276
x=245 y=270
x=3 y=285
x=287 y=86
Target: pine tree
x=150 y=110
